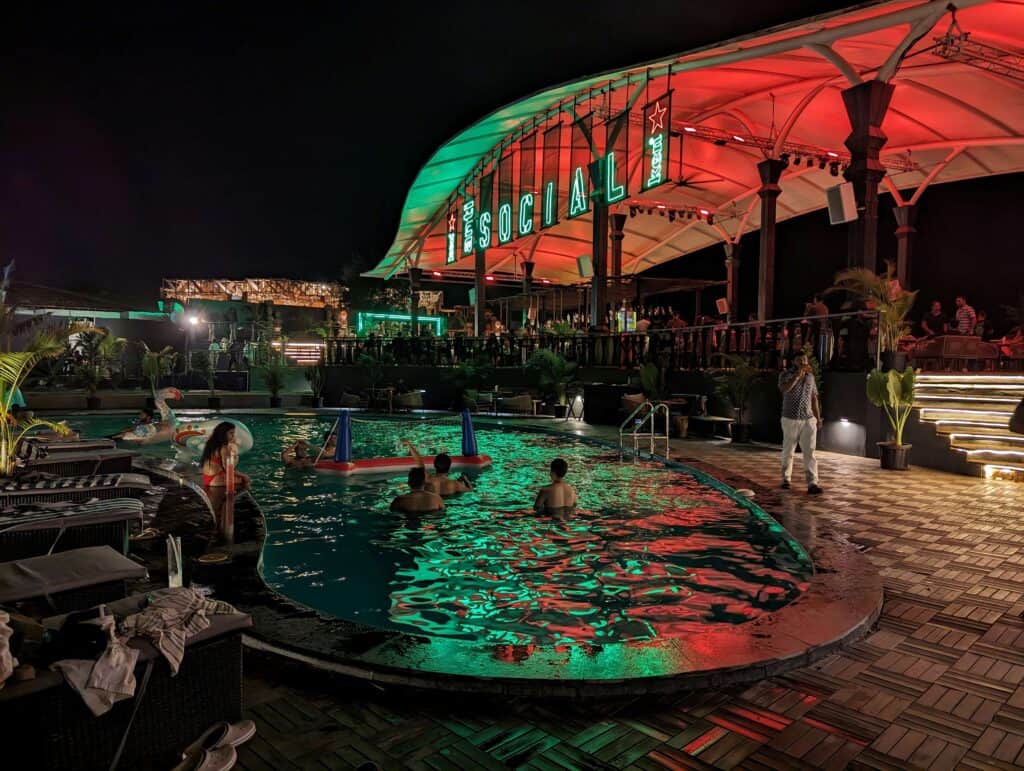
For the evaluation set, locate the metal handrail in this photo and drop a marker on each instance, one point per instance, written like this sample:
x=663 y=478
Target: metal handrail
x=636 y=433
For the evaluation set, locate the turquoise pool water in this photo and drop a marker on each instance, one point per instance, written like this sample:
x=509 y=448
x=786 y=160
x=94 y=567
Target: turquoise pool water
x=653 y=553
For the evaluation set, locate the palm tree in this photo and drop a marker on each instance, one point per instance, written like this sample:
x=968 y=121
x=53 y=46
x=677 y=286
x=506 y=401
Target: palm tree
x=14 y=368
x=883 y=294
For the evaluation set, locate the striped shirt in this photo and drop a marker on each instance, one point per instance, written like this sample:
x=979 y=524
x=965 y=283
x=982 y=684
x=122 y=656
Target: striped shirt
x=966 y=319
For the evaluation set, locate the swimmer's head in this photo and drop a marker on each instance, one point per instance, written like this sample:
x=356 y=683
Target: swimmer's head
x=417 y=478
x=559 y=468
x=443 y=463
x=146 y=414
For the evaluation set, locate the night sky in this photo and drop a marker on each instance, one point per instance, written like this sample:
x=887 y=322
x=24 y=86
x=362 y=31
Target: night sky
x=172 y=140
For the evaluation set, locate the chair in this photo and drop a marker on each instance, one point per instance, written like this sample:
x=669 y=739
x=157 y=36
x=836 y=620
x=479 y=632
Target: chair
x=61 y=527
x=72 y=464
x=81 y=489
x=521 y=403
x=409 y=401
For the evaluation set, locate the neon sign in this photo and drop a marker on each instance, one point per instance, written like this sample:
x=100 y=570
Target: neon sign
x=578 y=194
x=468 y=225
x=525 y=214
x=656 y=147
x=484 y=230
x=613 y=191
x=504 y=223
x=367 y=319
x=451 y=238
x=505 y=199
x=484 y=218
x=579 y=158
x=550 y=202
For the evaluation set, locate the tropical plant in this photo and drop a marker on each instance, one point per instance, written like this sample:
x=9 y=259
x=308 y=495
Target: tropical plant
x=202 y=363
x=14 y=368
x=736 y=385
x=894 y=392
x=157 y=364
x=884 y=294
x=652 y=381
x=551 y=373
x=467 y=377
x=562 y=328
x=374 y=365
x=316 y=376
x=274 y=375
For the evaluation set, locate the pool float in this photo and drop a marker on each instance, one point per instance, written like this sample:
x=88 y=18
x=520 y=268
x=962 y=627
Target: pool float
x=188 y=436
x=343 y=463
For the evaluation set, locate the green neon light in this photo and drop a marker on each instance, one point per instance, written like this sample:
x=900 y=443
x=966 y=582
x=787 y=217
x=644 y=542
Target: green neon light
x=657 y=173
x=484 y=229
x=549 y=205
x=578 y=193
x=504 y=223
x=366 y=318
x=525 y=214
x=468 y=226
x=452 y=239
x=613 y=192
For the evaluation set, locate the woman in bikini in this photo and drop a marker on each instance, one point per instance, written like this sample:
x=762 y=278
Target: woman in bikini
x=217 y=454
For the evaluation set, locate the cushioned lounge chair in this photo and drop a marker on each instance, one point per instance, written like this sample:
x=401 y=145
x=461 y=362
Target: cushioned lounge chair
x=73 y=464
x=53 y=724
x=102 y=486
x=45 y=446
x=409 y=401
x=60 y=527
x=69 y=580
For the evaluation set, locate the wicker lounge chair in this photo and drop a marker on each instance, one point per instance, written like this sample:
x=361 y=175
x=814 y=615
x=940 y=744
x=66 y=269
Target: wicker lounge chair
x=69 y=580
x=409 y=401
x=103 y=487
x=44 y=446
x=51 y=721
x=74 y=464
x=68 y=526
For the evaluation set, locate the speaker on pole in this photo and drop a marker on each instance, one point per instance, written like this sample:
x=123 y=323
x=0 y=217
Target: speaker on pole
x=842 y=204
x=585 y=266
x=722 y=305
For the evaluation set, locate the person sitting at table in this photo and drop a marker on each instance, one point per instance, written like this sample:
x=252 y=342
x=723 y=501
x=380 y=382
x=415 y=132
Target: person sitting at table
x=418 y=499
x=297 y=456
x=439 y=482
x=559 y=497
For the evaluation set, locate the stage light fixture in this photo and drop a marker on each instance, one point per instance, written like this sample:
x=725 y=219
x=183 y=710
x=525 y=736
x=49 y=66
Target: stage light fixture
x=796 y=161
x=821 y=163
x=711 y=219
x=671 y=216
x=784 y=157
x=689 y=214
x=650 y=211
x=632 y=211
x=833 y=168
x=661 y=211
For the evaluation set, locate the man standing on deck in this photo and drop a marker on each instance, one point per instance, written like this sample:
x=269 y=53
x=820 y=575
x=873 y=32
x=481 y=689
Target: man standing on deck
x=966 y=318
x=800 y=415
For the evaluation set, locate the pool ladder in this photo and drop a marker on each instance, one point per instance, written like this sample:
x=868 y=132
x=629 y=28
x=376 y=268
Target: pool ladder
x=647 y=419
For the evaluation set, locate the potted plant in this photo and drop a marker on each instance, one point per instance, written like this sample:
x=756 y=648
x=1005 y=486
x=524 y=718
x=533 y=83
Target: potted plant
x=892 y=302
x=652 y=382
x=552 y=374
x=894 y=392
x=156 y=365
x=316 y=376
x=466 y=379
x=274 y=375
x=14 y=369
x=736 y=385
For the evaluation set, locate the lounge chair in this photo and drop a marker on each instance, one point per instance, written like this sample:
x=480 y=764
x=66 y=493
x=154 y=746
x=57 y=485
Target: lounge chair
x=61 y=527
x=70 y=580
x=73 y=464
x=82 y=489
x=52 y=723
x=409 y=401
x=33 y=446
x=523 y=404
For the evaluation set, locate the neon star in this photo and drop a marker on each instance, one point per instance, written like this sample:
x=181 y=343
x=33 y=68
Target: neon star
x=452 y=220
x=657 y=118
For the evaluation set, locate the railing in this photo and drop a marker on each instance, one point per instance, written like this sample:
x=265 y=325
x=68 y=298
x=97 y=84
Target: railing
x=650 y=415
x=842 y=340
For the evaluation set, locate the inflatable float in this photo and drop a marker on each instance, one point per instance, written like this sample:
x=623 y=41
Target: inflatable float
x=189 y=436
x=344 y=464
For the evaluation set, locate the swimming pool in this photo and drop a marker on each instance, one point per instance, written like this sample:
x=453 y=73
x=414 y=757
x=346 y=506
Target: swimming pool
x=653 y=554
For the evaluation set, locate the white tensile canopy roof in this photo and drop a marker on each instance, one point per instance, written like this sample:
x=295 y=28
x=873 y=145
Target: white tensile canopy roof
x=957 y=112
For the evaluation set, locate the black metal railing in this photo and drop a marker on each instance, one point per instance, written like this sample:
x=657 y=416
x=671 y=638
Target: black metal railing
x=843 y=340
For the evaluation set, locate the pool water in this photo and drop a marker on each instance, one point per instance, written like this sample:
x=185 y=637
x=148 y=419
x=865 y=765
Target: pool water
x=652 y=553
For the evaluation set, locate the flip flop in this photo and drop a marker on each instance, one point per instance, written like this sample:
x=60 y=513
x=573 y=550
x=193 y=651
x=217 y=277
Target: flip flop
x=219 y=759
x=220 y=735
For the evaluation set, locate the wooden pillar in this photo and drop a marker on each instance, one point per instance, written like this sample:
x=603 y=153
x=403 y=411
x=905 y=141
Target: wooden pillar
x=480 y=290
x=866 y=105
x=905 y=230
x=599 y=245
x=770 y=170
x=618 y=226
x=415 y=274
x=527 y=285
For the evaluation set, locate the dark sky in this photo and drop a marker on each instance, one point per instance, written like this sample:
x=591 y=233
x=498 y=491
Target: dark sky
x=177 y=140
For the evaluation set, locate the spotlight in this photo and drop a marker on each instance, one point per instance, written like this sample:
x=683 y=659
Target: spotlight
x=488 y=278
x=711 y=219
x=632 y=211
x=784 y=157
x=705 y=212
x=796 y=161
x=833 y=168
x=436 y=273
x=671 y=216
x=821 y=163
x=193 y=320
x=738 y=138
x=691 y=129
x=831 y=154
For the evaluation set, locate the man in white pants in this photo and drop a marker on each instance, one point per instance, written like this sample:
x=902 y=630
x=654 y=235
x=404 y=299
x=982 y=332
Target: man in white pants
x=800 y=415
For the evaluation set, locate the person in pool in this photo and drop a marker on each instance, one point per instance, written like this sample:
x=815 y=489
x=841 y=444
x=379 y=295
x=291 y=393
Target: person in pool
x=418 y=499
x=297 y=456
x=559 y=496
x=440 y=482
x=141 y=426
x=219 y=452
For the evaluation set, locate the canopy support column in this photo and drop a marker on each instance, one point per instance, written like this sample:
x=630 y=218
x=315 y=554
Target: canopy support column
x=618 y=226
x=732 y=275
x=599 y=246
x=415 y=274
x=770 y=171
x=906 y=214
x=527 y=285
x=866 y=105
x=480 y=291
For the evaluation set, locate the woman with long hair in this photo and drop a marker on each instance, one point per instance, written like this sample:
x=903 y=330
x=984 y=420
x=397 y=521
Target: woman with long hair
x=218 y=453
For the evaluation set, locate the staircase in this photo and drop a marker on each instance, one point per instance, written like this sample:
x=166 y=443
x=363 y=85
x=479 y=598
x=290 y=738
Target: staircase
x=973 y=412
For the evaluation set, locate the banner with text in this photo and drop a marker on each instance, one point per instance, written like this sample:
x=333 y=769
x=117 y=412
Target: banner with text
x=484 y=224
x=527 y=184
x=580 y=156
x=451 y=241
x=549 y=176
x=468 y=222
x=657 y=144
x=505 y=233
x=616 y=158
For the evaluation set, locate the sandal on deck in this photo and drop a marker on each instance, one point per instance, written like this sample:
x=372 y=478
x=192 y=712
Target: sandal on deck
x=221 y=735
x=219 y=759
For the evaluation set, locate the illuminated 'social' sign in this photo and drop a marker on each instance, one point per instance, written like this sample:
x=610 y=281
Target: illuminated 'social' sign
x=525 y=214
x=484 y=209
x=504 y=223
x=614 y=191
x=550 y=214
x=468 y=226
x=483 y=229
x=505 y=199
x=578 y=200
x=451 y=238
x=656 y=147
x=580 y=156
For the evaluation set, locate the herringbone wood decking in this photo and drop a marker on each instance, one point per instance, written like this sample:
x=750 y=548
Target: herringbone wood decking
x=938 y=685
